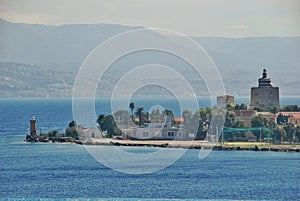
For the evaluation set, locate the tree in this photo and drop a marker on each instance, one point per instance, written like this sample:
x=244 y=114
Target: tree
x=205 y=115
x=290 y=108
x=169 y=115
x=107 y=123
x=290 y=130
x=132 y=107
x=200 y=120
x=71 y=130
x=264 y=108
x=283 y=134
x=274 y=110
x=139 y=113
x=217 y=121
x=187 y=116
x=259 y=109
x=147 y=118
x=281 y=120
x=279 y=134
x=229 y=120
x=123 y=117
x=239 y=124
x=259 y=121
x=240 y=107
x=72 y=124
x=229 y=107
x=53 y=134
x=272 y=125
x=168 y=112
x=298 y=133
x=156 y=116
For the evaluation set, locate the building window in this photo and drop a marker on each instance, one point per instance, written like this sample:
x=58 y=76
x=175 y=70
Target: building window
x=171 y=133
x=145 y=134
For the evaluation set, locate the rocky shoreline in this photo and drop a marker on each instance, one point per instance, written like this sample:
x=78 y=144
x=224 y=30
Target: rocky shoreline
x=213 y=147
x=170 y=144
x=37 y=138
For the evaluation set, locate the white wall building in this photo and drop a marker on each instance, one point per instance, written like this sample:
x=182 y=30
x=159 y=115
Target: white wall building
x=90 y=133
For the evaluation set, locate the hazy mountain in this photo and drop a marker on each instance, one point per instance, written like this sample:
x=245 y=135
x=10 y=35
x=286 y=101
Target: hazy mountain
x=22 y=80
x=63 y=49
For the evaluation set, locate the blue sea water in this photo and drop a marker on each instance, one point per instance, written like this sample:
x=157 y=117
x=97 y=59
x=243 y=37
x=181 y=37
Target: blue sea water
x=40 y=170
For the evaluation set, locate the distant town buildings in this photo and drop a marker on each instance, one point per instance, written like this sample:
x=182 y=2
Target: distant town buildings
x=245 y=115
x=225 y=100
x=265 y=95
x=268 y=115
x=292 y=117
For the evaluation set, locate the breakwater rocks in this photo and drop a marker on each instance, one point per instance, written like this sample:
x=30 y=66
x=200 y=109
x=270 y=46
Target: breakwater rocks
x=41 y=138
x=238 y=148
x=255 y=148
x=165 y=144
x=276 y=148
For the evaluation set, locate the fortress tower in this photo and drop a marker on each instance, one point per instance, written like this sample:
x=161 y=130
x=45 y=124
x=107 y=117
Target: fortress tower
x=265 y=95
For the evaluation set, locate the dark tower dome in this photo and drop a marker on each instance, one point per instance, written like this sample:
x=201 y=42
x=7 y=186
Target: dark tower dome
x=264 y=81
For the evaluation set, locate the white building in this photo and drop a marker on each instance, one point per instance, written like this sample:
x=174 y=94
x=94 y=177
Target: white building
x=90 y=133
x=157 y=131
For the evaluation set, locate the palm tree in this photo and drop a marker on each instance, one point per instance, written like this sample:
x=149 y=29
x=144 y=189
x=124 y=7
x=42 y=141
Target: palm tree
x=132 y=107
x=170 y=117
x=139 y=113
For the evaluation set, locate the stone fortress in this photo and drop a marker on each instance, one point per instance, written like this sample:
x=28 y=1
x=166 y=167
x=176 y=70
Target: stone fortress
x=265 y=95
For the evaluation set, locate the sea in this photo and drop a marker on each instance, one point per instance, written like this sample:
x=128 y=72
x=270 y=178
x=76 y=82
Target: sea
x=32 y=171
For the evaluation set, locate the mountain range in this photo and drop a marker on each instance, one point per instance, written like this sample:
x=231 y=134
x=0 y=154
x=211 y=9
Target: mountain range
x=52 y=55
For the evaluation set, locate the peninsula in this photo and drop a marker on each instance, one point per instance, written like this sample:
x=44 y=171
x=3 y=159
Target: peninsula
x=261 y=126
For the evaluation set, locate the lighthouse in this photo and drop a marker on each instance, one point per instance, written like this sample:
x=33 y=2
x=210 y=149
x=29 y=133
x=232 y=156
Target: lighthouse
x=32 y=126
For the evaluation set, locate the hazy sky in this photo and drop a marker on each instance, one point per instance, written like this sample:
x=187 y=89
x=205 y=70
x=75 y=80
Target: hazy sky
x=233 y=18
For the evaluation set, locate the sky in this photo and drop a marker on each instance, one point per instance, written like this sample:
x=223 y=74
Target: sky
x=228 y=18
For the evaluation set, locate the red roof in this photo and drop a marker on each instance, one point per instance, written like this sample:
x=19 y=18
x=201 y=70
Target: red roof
x=179 y=119
x=287 y=113
x=245 y=113
x=296 y=116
